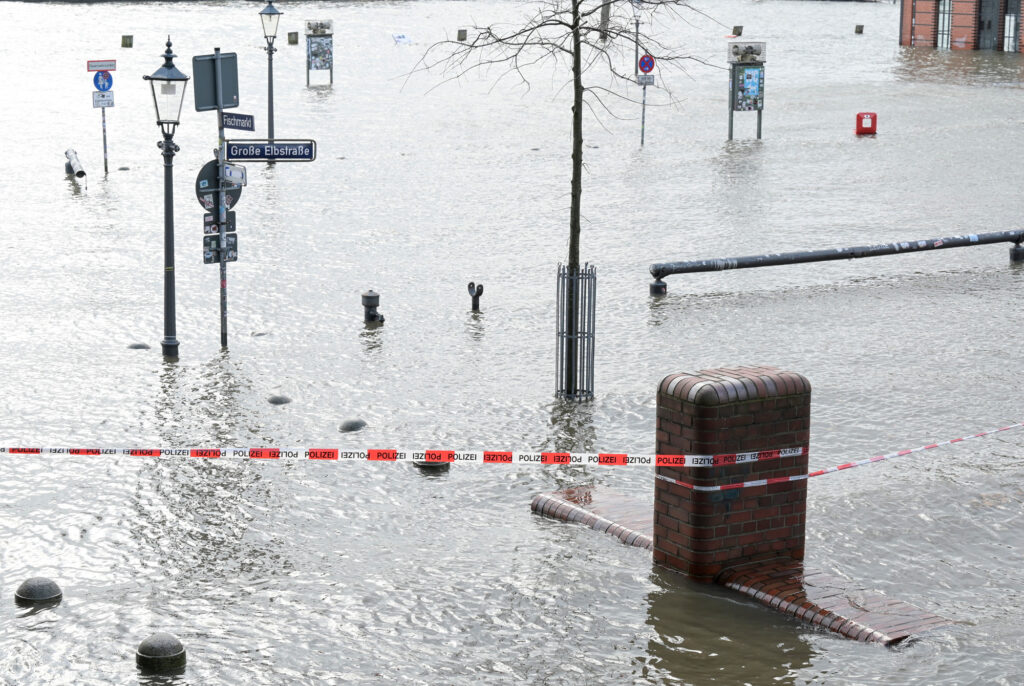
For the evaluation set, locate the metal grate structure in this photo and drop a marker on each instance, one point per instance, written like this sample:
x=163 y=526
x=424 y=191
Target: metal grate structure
x=574 y=342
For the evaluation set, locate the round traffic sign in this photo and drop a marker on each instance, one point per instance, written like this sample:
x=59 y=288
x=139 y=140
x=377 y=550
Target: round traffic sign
x=103 y=80
x=646 y=64
x=206 y=189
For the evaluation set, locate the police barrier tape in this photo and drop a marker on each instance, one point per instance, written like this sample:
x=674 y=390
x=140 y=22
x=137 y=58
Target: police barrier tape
x=837 y=468
x=510 y=457
x=438 y=456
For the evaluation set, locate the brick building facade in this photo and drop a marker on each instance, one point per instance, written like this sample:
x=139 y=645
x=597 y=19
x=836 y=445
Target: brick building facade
x=962 y=24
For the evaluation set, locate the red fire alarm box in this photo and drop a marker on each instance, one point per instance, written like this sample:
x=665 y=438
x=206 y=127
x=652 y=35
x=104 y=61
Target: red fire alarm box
x=867 y=122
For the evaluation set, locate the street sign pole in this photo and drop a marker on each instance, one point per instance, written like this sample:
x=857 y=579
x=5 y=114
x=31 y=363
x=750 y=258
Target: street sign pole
x=732 y=77
x=646 y=65
x=103 y=114
x=103 y=81
x=222 y=215
x=643 y=117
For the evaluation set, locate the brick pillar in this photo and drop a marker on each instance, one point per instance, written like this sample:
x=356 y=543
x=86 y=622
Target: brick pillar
x=724 y=411
x=963 y=32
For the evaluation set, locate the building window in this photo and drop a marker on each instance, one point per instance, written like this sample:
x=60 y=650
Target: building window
x=1011 y=26
x=945 y=17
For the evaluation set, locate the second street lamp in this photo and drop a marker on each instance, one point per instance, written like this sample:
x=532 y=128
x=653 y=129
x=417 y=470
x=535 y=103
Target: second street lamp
x=270 y=16
x=168 y=86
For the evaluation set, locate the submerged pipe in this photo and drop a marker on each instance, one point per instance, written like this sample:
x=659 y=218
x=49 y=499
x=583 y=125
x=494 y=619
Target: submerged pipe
x=73 y=166
x=660 y=270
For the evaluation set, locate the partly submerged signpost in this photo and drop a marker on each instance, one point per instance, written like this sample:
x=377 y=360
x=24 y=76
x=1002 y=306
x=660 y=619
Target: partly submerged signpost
x=102 y=97
x=215 y=83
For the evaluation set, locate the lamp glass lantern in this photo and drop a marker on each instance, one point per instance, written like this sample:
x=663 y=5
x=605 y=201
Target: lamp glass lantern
x=168 y=85
x=270 y=16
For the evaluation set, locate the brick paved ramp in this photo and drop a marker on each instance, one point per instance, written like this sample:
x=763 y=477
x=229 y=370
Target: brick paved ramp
x=784 y=585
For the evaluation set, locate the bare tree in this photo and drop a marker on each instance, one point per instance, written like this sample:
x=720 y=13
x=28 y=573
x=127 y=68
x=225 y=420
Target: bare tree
x=585 y=35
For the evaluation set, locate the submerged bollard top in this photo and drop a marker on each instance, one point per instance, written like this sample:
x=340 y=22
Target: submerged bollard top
x=161 y=652
x=37 y=590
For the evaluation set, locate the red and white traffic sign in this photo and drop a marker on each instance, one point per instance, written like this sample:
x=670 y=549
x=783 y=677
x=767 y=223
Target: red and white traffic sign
x=101 y=65
x=646 y=64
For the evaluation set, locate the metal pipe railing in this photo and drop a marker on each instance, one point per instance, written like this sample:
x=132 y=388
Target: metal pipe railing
x=660 y=270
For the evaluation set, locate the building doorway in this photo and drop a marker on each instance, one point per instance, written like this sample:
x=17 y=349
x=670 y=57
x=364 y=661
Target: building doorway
x=988 y=25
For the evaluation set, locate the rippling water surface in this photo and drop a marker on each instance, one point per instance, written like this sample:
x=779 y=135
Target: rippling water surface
x=362 y=573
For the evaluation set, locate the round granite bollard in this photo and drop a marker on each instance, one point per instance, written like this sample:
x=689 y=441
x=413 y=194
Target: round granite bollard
x=432 y=466
x=37 y=591
x=160 y=653
x=351 y=425
x=138 y=346
x=279 y=400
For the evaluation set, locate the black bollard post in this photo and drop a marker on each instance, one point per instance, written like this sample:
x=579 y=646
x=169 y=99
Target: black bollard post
x=1016 y=253
x=371 y=301
x=38 y=591
x=161 y=654
x=475 y=291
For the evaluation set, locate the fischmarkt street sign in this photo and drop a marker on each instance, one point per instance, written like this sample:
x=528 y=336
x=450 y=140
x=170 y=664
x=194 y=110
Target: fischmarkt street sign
x=270 y=150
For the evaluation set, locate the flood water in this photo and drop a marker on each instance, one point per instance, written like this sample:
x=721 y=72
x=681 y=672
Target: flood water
x=333 y=572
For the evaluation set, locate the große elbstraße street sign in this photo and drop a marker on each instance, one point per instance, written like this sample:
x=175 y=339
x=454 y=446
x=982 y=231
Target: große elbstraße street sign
x=264 y=150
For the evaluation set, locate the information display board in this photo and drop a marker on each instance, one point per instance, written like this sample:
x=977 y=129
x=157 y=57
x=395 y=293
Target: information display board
x=747 y=87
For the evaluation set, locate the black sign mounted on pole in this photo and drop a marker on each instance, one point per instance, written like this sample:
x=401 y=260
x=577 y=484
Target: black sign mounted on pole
x=211 y=249
x=205 y=82
x=210 y=226
x=207 y=185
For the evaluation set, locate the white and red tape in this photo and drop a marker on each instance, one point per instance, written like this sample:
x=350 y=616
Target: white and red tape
x=508 y=457
x=439 y=456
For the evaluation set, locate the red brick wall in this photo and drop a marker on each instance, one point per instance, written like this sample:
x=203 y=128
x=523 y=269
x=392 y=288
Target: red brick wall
x=906 y=21
x=925 y=26
x=733 y=410
x=963 y=32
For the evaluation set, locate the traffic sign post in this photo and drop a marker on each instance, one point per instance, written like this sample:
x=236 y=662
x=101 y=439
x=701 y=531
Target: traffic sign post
x=646 y=65
x=215 y=78
x=103 y=97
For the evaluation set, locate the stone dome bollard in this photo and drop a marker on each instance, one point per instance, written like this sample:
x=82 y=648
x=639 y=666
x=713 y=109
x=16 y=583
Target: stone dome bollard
x=38 y=591
x=160 y=653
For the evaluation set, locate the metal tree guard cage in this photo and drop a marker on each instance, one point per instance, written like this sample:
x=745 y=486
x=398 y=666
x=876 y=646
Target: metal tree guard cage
x=574 y=340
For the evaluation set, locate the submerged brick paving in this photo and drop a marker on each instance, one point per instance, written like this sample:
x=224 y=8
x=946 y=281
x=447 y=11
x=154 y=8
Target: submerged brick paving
x=785 y=585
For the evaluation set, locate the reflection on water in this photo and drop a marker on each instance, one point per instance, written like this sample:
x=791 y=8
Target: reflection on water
x=710 y=636
x=960 y=67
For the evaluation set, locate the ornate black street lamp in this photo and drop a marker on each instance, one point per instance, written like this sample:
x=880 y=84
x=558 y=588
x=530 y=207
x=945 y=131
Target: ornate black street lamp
x=270 y=16
x=168 y=85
